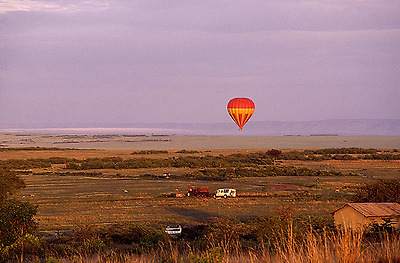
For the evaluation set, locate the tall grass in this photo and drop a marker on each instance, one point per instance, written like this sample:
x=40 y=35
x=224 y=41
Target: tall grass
x=341 y=246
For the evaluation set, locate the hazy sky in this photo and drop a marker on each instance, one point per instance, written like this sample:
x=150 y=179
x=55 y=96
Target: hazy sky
x=129 y=61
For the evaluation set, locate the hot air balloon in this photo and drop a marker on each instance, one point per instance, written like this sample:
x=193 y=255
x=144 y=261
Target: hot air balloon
x=240 y=110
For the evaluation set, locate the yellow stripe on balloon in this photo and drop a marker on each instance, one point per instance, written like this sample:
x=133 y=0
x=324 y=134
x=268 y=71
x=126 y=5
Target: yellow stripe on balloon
x=241 y=115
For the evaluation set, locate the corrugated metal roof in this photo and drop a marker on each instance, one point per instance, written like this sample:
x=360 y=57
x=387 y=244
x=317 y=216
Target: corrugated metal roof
x=376 y=209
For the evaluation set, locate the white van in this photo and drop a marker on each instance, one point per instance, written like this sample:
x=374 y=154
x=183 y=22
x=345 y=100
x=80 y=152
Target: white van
x=226 y=192
x=173 y=230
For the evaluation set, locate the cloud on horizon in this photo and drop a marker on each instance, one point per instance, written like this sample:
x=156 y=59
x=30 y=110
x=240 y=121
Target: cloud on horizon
x=51 y=6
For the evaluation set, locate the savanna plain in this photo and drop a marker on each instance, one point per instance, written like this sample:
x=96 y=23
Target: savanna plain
x=97 y=205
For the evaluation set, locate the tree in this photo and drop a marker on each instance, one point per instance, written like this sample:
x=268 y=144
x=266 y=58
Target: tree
x=380 y=191
x=274 y=153
x=10 y=183
x=16 y=217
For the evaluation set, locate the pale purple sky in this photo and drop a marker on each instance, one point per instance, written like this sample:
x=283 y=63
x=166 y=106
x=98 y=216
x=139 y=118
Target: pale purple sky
x=128 y=61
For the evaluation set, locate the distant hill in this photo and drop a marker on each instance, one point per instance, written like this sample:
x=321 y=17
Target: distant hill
x=340 y=127
x=260 y=128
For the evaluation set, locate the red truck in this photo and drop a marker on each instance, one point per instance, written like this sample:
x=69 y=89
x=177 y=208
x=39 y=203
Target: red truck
x=198 y=191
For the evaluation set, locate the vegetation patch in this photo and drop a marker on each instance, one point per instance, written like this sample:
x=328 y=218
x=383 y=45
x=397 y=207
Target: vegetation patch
x=150 y=152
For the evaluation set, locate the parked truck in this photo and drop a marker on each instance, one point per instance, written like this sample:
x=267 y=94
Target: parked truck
x=225 y=192
x=198 y=191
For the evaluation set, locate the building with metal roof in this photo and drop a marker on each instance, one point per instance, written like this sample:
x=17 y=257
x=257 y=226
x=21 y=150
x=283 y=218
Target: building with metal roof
x=360 y=215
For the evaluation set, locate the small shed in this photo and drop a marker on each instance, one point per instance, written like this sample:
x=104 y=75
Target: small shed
x=360 y=215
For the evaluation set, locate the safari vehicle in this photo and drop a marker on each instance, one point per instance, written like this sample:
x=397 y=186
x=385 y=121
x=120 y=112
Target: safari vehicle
x=226 y=192
x=173 y=230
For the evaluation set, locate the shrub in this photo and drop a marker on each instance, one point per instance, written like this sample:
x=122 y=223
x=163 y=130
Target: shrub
x=150 y=152
x=187 y=151
x=380 y=191
x=26 y=244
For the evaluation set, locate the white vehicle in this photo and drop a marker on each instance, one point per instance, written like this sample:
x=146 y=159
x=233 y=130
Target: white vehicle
x=226 y=192
x=173 y=230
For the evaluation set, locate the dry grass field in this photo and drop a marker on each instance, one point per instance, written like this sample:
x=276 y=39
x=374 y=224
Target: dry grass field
x=73 y=199
x=121 y=195
x=69 y=201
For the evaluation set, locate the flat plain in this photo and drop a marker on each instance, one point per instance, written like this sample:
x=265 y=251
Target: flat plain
x=67 y=199
x=170 y=141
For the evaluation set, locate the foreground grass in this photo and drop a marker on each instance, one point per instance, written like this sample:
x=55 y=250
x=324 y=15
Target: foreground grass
x=341 y=246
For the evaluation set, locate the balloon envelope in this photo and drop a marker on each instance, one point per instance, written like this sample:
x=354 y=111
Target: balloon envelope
x=240 y=110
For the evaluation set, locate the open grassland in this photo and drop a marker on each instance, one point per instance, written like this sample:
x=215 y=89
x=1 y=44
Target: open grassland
x=68 y=201
x=68 y=198
x=116 y=201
